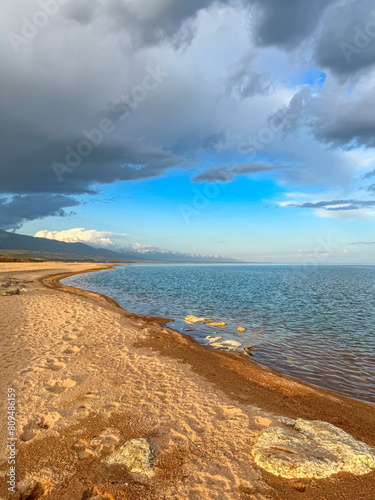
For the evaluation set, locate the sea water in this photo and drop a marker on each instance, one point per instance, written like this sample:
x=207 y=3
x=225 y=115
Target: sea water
x=314 y=323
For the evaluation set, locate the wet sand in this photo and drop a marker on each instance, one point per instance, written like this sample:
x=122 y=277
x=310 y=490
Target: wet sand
x=90 y=376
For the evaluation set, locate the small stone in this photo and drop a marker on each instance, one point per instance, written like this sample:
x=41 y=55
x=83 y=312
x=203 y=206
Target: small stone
x=241 y=329
x=221 y=325
x=138 y=455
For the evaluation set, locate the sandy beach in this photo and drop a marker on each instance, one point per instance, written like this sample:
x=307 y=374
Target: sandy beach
x=89 y=377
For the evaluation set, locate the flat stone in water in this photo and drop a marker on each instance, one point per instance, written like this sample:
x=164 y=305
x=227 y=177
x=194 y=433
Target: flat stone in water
x=311 y=449
x=194 y=320
x=226 y=344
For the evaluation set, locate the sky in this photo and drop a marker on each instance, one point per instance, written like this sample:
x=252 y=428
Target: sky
x=240 y=128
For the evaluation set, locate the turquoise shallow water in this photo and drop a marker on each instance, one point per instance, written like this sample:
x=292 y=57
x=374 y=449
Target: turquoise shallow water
x=318 y=323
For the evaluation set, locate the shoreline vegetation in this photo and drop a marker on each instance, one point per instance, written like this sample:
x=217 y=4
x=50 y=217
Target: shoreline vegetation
x=115 y=405
x=4 y=258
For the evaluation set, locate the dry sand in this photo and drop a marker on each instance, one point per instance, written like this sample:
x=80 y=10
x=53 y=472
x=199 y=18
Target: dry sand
x=89 y=376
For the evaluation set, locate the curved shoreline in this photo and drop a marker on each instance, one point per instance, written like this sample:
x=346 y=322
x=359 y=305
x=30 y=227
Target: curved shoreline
x=53 y=281
x=244 y=380
x=320 y=377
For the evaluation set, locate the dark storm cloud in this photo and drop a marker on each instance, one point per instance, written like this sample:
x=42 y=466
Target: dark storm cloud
x=286 y=23
x=91 y=52
x=334 y=117
x=227 y=173
x=113 y=160
x=283 y=23
x=147 y=23
x=22 y=208
x=346 y=44
x=337 y=205
x=352 y=124
x=83 y=11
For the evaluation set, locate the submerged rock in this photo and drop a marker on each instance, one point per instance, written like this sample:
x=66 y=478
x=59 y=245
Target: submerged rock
x=138 y=455
x=241 y=329
x=212 y=339
x=194 y=320
x=311 y=449
x=231 y=343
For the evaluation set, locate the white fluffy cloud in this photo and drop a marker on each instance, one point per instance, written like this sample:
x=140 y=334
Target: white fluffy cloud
x=92 y=237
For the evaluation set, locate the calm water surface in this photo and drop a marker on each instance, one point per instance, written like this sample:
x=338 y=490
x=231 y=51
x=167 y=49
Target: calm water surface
x=318 y=323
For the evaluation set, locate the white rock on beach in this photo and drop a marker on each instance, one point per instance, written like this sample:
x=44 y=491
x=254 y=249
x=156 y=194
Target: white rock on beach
x=311 y=449
x=138 y=455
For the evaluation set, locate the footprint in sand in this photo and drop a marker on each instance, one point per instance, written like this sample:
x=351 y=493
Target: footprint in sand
x=49 y=420
x=72 y=350
x=70 y=337
x=94 y=494
x=43 y=422
x=106 y=442
x=93 y=395
x=103 y=444
x=27 y=370
x=58 y=386
x=54 y=365
x=82 y=450
x=29 y=432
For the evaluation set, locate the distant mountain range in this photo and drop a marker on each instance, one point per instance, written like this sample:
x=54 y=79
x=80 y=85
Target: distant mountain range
x=18 y=245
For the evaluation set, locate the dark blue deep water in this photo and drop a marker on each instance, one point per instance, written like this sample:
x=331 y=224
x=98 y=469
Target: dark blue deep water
x=318 y=323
